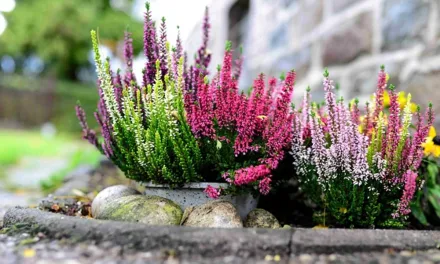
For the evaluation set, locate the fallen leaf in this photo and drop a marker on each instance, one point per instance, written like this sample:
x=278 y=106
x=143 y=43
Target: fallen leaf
x=320 y=227
x=55 y=207
x=77 y=192
x=29 y=253
x=29 y=241
x=219 y=144
x=343 y=210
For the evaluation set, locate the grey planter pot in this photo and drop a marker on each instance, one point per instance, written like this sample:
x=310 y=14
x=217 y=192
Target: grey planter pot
x=192 y=194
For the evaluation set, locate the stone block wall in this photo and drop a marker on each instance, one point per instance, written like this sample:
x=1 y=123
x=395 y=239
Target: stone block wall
x=350 y=37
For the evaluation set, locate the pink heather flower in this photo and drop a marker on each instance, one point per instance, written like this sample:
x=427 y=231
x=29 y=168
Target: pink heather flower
x=325 y=127
x=260 y=123
x=250 y=174
x=368 y=124
x=415 y=155
x=264 y=185
x=238 y=67
x=227 y=177
x=278 y=132
x=223 y=110
x=408 y=193
x=381 y=86
x=200 y=117
x=246 y=126
x=212 y=192
x=272 y=86
x=393 y=129
x=355 y=113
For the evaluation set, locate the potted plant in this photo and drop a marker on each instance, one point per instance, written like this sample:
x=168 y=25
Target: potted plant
x=181 y=134
x=360 y=172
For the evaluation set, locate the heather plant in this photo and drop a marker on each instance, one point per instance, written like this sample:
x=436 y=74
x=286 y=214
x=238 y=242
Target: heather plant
x=243 y=138
x=359 y=173
x=426 y=205
x=143 y=124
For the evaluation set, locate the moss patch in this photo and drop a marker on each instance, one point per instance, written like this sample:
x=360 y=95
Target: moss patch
x=152 y=210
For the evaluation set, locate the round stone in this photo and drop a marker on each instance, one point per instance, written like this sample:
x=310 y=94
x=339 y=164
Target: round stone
x=151 y=210
x=260 y=218
x=108 y=195
x=216 y=213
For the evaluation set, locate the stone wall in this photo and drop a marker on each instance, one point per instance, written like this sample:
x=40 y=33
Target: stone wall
x=350 y=37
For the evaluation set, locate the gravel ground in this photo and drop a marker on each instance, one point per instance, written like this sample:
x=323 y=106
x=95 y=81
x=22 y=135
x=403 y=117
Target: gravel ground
x=25 y=249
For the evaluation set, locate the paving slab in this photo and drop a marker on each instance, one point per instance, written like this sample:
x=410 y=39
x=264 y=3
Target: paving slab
x=285 y=245
x=187 y=241
x=327 y=241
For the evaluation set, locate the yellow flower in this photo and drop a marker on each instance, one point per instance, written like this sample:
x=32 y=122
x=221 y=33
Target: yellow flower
x=386 y=99
x=401 y=99
x=29 y=253
x=432 y=144
x=361 y=125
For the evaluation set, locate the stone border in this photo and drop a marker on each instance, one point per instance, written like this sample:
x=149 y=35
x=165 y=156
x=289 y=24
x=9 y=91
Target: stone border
x=211 y=243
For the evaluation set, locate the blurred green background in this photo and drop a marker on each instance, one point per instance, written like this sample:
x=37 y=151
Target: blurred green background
x=45 y=69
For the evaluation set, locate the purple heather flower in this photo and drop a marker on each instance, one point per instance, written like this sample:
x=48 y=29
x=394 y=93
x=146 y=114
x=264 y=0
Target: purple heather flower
x=129 y=77
x=203 y=57
x=150 y=47
x=163 y=52
x=88 y=134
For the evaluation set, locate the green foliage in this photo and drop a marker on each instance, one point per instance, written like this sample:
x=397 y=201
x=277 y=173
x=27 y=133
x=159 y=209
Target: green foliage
x=151 y=140
x=426 y=205
x=54 y=30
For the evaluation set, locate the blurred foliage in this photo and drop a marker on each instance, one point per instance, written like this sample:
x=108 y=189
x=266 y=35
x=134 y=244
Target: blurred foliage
x=59 y=31
x=66 y=96
x=16 y=144
x=80 y=157
x=426 y=204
